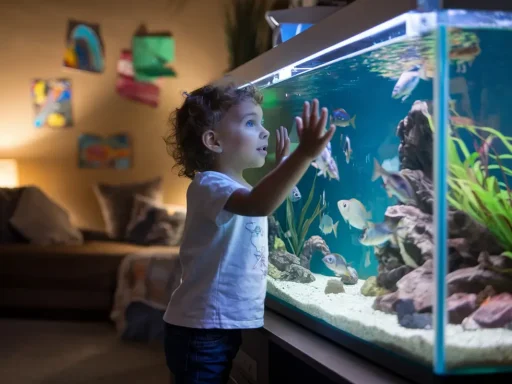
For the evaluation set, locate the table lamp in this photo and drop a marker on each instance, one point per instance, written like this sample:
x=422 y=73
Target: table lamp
x=8 y=173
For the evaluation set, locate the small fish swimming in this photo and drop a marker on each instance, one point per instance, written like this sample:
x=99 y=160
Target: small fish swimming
x=326 y=164
x=483 y=150
x=394 y=183
x=406 y=83
x=391 y=165
x=347 y=149
x=295 y=194
x=337 y=263
x=341 y=118
x=367 y=260
x=377 y=234
x=462 y=121
x=327 y=225
x=354 y=212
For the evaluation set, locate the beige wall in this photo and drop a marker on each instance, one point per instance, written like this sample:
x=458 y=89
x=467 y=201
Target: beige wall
x=32 y=45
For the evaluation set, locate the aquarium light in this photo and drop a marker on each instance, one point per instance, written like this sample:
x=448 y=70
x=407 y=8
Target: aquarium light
x=286 y=72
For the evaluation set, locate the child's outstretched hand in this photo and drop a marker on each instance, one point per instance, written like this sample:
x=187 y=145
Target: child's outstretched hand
x=311 y=130
x=282 y=145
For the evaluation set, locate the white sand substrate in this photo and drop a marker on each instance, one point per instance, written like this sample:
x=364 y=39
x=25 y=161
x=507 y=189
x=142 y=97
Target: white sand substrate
x=352 y=312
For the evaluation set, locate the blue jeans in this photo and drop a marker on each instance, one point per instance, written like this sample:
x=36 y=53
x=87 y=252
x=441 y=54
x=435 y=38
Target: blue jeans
x=200 y=356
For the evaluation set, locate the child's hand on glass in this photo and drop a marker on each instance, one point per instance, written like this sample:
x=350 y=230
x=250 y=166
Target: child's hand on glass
x=282 y=145
x=311 y=130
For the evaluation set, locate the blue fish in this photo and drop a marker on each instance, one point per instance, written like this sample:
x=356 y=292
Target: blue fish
x=341 y=118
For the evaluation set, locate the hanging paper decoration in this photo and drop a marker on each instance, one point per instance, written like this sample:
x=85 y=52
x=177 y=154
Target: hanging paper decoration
x=128 y=87
x=152 y=53
x=52 y=103
x=84 y=47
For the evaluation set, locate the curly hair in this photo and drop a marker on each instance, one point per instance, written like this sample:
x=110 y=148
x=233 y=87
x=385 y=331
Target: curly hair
x=201 y=111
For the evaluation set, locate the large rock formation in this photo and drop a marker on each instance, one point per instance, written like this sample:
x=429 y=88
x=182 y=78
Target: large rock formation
x=475 y=262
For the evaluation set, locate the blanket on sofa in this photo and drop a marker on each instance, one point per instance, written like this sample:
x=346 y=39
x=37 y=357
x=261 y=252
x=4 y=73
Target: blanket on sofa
x=145 y=282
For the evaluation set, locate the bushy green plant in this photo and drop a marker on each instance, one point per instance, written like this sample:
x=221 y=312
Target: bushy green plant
x=298 y=230
x=471 y=187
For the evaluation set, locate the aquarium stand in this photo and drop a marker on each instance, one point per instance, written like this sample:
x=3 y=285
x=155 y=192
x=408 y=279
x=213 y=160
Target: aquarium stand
x=346 y=357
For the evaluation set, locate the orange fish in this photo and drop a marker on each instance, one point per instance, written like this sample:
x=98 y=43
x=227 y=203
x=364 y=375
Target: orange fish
x=461 y=121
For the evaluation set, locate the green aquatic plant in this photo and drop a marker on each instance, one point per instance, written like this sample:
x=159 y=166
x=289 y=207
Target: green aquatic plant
x=473 y=190
x=298 y=230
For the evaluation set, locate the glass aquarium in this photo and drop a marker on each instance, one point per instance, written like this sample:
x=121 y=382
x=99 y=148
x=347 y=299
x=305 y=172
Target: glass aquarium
x=397 y=242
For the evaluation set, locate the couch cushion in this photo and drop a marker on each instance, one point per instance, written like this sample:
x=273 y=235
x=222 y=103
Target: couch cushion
x=91 y=266
x=8 y=201
x=41 y=221
x=116 y=202
x=152 y=224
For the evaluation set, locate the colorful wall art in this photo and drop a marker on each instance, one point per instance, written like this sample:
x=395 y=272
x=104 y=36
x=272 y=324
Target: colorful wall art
x=99 y=152
x=152 y=54
x=84 y=47
x=52 y=103
x=127 y=86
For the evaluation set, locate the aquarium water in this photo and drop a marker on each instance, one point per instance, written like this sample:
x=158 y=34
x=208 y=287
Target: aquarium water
x=353 y=244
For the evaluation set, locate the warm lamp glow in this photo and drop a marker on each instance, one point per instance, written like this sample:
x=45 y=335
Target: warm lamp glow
x=8 y=173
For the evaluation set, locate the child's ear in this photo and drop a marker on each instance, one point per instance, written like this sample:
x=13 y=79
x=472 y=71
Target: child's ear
x=210 y=141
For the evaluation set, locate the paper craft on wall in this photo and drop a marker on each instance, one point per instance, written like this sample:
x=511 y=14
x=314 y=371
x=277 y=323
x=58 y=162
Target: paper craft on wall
x=99 y=152
x=84 y=47
x=52 y=103
x=127 y=86
x=152 y=54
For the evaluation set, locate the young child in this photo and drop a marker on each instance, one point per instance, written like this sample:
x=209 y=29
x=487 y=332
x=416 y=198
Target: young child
x=217 y=134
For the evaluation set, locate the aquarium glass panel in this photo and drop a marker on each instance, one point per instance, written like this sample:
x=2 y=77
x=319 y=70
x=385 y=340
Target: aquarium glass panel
x=352 y=247
x=479 y=281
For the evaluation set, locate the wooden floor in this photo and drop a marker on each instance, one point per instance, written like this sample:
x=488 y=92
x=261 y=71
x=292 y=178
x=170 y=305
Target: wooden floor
x=53 y=352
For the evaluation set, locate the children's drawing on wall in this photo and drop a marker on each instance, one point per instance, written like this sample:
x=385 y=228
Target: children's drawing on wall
x=84 y=47
x=127 y=86
x=152 y=54
x=52 y=103
x=100 y=152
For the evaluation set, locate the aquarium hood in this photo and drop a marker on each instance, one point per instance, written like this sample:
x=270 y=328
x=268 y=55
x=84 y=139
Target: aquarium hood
x=359 y=26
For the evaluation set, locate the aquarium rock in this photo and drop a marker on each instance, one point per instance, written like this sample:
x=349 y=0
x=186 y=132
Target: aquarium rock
x=285 y=266
x=476 y=279
x=496 y=312
x=352 y=279
x=371 y=288
x=460 y=306
x=416 y=141
x=334 y=286
x=409 y=318
x=313 y=245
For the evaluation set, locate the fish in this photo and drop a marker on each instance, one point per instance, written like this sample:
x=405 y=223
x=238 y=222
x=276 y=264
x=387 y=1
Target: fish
x=462 y=121
x=347 y=149
x=367 y=261
x=327 y=225
x=394 y=183
x=378 y=233
x=354 y=212
x=295 y=194
x=391 y=165
x=326 y=164
x=483 y=150
x=406 y=83
x=336 y=263
x=341 y=118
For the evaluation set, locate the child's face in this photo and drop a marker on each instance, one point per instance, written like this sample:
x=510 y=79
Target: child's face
x=242 y=138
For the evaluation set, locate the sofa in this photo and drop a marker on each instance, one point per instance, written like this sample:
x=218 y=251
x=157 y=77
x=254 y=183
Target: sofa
x=48 y=264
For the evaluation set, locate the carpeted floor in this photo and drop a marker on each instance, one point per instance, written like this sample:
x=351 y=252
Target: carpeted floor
x=51 y=352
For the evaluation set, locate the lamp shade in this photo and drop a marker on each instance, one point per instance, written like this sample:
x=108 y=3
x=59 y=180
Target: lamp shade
x=8 y=173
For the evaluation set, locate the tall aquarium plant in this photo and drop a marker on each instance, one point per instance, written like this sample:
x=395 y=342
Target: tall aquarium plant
x=247 y=33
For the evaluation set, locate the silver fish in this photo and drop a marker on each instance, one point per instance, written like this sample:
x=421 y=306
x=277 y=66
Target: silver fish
x=347 y=149
x=367 y=261
x=354 y=212
x=337 y=263
x=327 y=225
x=377 y=234
x=394 y=183
x=326 y=164
x=295 y=194
x=406 y=83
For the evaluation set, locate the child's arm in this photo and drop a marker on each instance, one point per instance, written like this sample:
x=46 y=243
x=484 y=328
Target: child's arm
x=272 y=190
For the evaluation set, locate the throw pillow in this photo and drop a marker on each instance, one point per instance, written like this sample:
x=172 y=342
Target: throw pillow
x=116 y=202
x=9 y=198
x=41 y=221
x=152 y=224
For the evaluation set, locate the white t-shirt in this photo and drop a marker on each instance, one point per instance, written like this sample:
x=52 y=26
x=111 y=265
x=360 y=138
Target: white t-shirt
x=223 y=258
